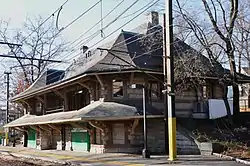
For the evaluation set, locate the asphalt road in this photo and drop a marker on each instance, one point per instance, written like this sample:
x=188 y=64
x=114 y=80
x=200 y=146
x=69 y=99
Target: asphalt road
x=160 y=161
x=10 y=156
x=155 y=161
x=199 y=160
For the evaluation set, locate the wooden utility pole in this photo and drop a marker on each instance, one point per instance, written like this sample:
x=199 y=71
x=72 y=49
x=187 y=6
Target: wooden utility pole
x=7 y=107
x=8 y=95
x=169 y=79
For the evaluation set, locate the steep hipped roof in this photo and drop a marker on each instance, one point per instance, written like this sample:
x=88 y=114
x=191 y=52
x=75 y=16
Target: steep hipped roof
x=97 y=61
x=130 y=49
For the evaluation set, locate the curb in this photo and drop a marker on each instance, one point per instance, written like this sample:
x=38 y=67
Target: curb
x=232 y=158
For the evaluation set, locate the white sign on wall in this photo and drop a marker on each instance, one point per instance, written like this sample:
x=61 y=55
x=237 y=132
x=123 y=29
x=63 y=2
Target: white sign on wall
x=217 y=108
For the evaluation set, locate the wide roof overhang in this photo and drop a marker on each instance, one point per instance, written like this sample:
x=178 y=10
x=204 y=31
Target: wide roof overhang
x=57 y=85
x=98 y=110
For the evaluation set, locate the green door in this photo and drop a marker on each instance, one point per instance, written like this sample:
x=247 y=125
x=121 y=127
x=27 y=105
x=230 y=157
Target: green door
x=32 y=138
x=80 y=141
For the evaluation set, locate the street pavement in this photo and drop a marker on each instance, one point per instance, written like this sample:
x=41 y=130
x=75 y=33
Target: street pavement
x=111 y=159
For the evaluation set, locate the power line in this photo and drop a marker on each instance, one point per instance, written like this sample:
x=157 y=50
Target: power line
x=150 y=4
x=45 y=20
x=129 y=63
x=81 y=15
x=10 y=44
x=126 y=23
x=91 y=37
x=16 y=57
x=70 y=25
x=96 y=23
x=97 y=32
x=139 y=55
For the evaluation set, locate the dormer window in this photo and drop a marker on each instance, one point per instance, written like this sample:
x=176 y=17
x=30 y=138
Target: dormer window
x=88 y=54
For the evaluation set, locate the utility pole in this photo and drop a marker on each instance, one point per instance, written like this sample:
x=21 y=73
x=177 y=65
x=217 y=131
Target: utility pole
x=8 y=95
x=165 y=85
x=7 y=106
x=145 y=152
x=169 y=79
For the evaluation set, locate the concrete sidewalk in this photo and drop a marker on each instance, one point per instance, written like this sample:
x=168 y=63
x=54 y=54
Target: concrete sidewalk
x=111 y=159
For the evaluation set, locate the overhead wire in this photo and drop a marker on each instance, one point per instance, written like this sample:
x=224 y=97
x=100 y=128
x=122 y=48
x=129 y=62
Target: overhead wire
x=124 y=24
x=81 y=15
x=58 y=9
x=139 y=55
x=151 y=50
x=39 y=26
x=71 y=43
x=95 y=34
x=69 y=24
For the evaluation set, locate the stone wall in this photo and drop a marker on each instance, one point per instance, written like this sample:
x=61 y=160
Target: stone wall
x=56 y=140
x=156 y=138
x=68 y=138
x=186 y=145
x=45 y=141
x=97 y=149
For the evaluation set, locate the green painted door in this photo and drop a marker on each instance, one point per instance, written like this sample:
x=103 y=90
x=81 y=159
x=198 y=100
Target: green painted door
x=32 y=138
x=80 y=141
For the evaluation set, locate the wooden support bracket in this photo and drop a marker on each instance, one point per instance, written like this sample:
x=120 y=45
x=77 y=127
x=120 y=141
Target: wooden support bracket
x=23 y=101
x=99 y=80
x=40 y=99
x=59 y=94
x=97 y=125
x=36 y=128
x=134 y=125
x=43 y=127
x=84 y=86
x=76 y=125
x=54 y=127
x=21 y=129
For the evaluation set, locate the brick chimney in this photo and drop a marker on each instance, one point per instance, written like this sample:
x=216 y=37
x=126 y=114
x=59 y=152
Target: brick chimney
x=154 y=18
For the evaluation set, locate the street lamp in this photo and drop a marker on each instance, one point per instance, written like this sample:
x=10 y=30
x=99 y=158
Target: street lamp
x=145 y=151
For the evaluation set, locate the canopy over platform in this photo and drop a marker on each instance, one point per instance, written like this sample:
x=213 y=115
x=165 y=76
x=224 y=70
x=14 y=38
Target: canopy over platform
x=98 y=110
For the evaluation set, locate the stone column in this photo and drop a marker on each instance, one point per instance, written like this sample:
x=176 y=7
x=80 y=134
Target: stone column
x=44 y=104
x=125 y=89
x=65 y=102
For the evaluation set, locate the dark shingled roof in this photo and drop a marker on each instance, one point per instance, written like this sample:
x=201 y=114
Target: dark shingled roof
x=47 y=77
x=131 y=49
x=54 y=76
x=247 y=70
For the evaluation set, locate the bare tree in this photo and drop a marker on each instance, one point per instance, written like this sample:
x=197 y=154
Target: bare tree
x=215 y=33
x=242 y=35
x=39 y=40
